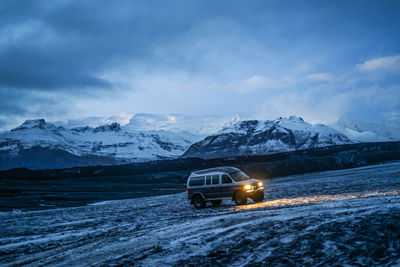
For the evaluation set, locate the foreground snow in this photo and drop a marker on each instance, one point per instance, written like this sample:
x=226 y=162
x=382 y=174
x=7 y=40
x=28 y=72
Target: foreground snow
x=336 y=218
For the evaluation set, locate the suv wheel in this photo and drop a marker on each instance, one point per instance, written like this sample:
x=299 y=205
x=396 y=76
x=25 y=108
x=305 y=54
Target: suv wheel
x=216 y=202
x=258 y=197
x=240 y=198
x=198 y=202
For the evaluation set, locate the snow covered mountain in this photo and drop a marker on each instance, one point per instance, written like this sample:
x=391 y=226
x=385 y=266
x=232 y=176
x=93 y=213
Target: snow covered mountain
x=107 y=144
x=263 y=137
x=368 y=130
x=37 y=144
x=204 y=125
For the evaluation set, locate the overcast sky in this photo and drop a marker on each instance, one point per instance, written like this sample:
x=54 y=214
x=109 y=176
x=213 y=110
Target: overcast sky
x=260 y=59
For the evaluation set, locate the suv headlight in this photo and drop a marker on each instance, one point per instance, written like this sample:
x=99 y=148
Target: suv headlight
x=247 y=187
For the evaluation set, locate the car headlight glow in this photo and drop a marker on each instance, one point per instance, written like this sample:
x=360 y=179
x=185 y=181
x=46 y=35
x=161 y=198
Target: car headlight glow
x=260 y=184
x=247 y=187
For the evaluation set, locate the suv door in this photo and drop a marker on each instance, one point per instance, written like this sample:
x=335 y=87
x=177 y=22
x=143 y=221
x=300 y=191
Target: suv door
x=208 y=189
x=215 y=186
x=196 y=185
x=227 y=186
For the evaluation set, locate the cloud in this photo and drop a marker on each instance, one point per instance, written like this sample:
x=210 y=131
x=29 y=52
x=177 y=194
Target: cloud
x=16 y=107
x=319 y=77
x=253 y=83
x=265 y=83
x=393 y=115
x=312 y=104
x=67 y=45
x=390 y=63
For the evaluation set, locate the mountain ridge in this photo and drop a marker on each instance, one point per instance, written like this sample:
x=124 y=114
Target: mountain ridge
x=111 y=143
x=177 y=136
x=255 y=137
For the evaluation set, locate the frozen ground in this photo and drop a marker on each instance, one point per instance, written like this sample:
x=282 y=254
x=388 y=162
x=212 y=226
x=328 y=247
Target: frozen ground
x=346 y=217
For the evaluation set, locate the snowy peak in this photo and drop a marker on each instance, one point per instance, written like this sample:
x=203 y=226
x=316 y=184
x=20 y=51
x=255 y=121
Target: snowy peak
x=93 y=122
x=294 y=118
x=263 y=137
x=203 y=125
x=293 y=123
x=29 y=124
x=139 y=122
x=113 y=127
x=368 y=130
x=240 y=127
x=349 y=123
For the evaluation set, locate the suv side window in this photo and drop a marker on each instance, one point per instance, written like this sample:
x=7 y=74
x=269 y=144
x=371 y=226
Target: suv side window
x=215 y=179
x=226 y=179
x=196 y=181
x=208 y=180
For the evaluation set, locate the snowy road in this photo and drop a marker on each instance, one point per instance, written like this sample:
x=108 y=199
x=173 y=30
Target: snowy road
x=334 y=217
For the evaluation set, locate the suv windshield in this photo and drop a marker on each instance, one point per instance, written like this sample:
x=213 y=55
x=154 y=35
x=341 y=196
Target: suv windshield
x=239 y=176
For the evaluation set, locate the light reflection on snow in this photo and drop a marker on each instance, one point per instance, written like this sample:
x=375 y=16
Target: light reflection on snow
x=313 y=199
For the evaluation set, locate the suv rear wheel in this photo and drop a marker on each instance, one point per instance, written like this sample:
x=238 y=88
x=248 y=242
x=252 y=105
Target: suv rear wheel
x=258 y=197
x=198 y=202
x=240 y=198
x=216 y=202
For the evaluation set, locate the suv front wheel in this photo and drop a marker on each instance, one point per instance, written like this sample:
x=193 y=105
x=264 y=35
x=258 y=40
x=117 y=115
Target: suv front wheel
x=240 y=198
x=198 y=202
x=258 y=197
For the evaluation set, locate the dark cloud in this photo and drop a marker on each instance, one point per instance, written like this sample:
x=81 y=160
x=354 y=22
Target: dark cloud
x=68 y=44
x=19 y=105
x=10 y=103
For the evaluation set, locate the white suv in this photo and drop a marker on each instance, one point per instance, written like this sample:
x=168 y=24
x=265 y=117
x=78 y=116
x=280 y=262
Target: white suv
x=220 y=183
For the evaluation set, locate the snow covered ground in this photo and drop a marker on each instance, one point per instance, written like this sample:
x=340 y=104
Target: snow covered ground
x=329 y=218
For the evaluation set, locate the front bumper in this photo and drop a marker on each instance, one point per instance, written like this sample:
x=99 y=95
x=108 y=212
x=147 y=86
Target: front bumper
x=252 y=192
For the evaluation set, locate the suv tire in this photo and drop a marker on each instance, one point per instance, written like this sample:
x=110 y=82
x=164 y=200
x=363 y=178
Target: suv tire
x=198 y=202
x=216 y=202
x=240 y=198
x=258 y=197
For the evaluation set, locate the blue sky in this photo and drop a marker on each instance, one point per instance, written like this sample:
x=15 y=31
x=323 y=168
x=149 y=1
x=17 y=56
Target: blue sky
x=260 y=59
